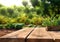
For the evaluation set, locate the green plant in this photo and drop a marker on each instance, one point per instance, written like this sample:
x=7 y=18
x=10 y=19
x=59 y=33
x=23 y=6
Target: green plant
x=37 y=20
x=54 y=22
x=19 y=25
x=51 y=22
x=1 y=26
x=27 y=22
x=30 y=25
x=10 y=26
x=46 y=22
x=58 y=20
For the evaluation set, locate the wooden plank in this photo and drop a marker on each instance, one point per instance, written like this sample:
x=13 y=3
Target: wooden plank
x=39 y=35
x=18 y=36
x=55 y=35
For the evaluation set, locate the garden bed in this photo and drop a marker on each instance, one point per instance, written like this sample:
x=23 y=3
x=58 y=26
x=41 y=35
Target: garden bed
x=53 y=28
x=5 y=31
x=10 y=27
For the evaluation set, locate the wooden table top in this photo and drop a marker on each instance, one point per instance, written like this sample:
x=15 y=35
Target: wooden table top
x=32 y=35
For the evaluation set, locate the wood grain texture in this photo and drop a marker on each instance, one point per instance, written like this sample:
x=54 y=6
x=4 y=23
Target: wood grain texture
x=55 y=35
x=32 y=35
x=18 y=36
x=39 y=35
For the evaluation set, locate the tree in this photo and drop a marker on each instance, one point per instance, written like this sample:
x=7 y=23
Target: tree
x=3 y=11
x=1 y=5
x=35 y=3
x=25 y=3
x=55 y=5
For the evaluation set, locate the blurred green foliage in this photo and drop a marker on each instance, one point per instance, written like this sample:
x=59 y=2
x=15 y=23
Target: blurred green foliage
x=42 y=12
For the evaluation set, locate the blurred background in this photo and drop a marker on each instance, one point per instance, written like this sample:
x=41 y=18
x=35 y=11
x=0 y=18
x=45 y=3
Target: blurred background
x=29 y=12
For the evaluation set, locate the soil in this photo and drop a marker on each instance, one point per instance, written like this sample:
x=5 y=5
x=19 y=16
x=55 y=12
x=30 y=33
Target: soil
x=5 y=31
x=53 y=28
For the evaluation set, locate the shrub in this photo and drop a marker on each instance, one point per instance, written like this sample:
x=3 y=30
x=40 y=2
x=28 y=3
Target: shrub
x=58 y=20
x=19 y=25
x=22 y=18
x=1 y=26
x=3 y=11
x=3 y=19
x=37 y=20
x=13 y=20
x=27 y=22
x=46 y=22
x=54 y=22
x=30 y=25
x=51 y=22
x=10 y=26
x=14 y=26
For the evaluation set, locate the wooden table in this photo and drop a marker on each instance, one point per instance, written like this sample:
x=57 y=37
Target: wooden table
x=32 y=35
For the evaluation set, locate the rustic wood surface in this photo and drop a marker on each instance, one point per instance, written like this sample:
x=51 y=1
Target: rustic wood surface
x=18 y=36
x=39 y=35
x=55 y=35
x=32 y=35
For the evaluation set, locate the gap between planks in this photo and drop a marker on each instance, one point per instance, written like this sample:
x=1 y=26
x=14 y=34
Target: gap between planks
x=18 y=36
x=39 y=35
